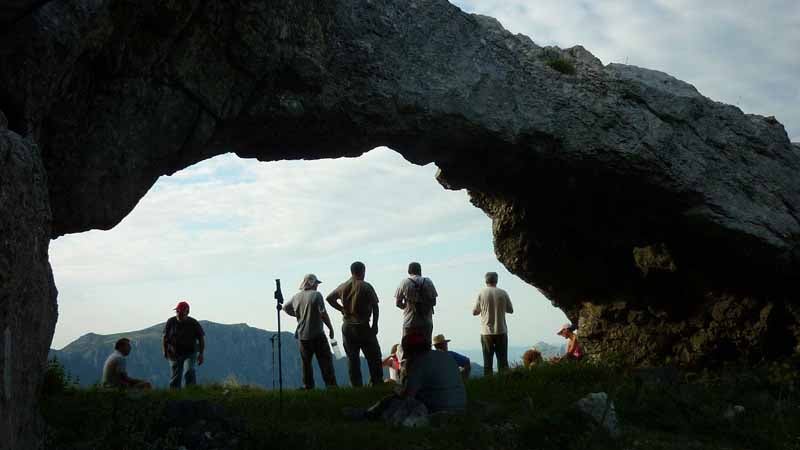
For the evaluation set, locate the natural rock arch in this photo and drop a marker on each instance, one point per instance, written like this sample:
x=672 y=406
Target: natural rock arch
x=655 y=215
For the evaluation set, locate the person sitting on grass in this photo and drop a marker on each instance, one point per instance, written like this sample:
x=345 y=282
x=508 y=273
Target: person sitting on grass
x=574 y=350
x=393 y=363
x=531 y=358
x=115 y=372
x=431 y=377
x=463 y=362
x=431 y=384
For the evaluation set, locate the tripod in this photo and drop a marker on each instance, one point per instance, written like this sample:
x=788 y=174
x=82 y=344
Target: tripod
x=279 y=306
x=272 y=341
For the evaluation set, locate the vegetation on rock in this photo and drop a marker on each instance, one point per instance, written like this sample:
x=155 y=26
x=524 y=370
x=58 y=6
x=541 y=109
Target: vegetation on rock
x=562 y=65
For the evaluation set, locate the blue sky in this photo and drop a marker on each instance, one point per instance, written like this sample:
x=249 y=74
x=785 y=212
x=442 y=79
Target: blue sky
x=219 y=232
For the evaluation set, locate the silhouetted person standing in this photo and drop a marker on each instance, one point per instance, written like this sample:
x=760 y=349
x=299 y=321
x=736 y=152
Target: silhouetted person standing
x=309 y=309
x=416 y=296
x=492 y=305
x=359 y=302
x=183 y=344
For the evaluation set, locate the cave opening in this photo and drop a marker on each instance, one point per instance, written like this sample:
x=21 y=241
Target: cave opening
x=217 y=234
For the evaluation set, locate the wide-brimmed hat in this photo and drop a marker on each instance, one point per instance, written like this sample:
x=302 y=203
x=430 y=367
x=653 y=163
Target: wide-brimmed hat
x=566 y=326
x=310 y=281
x=439 y=340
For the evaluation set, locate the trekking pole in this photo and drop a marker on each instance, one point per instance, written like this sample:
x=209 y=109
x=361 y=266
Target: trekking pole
x=279 y=306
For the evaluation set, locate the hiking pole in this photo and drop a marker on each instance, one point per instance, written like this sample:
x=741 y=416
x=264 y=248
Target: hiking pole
x=279 y=306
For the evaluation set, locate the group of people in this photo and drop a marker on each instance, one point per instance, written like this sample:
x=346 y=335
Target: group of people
x=437 y=376
x=434 y=376
x=358 y=303
x=183 y=345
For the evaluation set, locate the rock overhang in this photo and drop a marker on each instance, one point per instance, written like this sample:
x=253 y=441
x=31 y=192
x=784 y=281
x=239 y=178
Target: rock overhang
x=578 y=163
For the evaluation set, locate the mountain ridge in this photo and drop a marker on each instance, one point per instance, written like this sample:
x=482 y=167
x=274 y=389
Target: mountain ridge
x=234 y=353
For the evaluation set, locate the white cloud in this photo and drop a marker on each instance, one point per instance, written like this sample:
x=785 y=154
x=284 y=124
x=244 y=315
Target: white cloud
x=219 y=231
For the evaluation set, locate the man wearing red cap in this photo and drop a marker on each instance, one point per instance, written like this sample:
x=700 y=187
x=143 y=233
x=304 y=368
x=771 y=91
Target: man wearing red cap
x=183 y=345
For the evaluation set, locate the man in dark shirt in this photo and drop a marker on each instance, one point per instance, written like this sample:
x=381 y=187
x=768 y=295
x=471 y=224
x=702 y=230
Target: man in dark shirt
x=183 y=345
x=359 y=302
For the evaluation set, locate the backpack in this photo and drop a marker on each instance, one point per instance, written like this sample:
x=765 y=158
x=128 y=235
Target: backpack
x=417 y=300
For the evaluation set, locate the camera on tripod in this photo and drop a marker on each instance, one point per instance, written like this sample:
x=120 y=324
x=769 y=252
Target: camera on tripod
x=278 y=293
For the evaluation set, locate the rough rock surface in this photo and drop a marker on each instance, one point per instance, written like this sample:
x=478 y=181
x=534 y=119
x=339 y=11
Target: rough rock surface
x=601 y=410
x=27 y=291
x=579 y=164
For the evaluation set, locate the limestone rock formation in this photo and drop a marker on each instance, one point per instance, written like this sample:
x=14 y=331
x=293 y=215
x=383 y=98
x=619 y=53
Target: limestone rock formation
x=27 y=290
x=578 y=164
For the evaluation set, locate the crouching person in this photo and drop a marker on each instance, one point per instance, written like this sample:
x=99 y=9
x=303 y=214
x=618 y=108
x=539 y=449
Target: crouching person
x=431 y=384
x=115 y=371
x=432 y=377
x=532 y=358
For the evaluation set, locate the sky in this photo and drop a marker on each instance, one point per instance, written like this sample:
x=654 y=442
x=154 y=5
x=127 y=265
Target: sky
x=218 y=233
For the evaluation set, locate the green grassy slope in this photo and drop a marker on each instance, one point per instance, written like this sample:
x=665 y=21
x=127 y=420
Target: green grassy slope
x=518 y=410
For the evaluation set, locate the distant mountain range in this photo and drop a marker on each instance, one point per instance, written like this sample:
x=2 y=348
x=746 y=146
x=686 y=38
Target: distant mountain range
x=239 y=353
x=514 y=353
x=233 y=352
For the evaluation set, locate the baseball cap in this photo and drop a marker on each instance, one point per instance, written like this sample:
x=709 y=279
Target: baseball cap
x=439 y=339
x=182 y=305
x=309 y=281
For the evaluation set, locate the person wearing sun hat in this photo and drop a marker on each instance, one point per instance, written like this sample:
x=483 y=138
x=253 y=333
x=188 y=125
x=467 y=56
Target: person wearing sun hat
x=574 y=350
x=463 y=362
x=183 y=345
x=308 y=307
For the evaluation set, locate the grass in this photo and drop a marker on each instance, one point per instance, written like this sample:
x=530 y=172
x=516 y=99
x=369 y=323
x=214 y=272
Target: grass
x=562 y=65
x=519 y=410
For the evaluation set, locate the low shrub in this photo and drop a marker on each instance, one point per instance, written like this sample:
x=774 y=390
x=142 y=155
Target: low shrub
x=562 y=65
x=56 y=379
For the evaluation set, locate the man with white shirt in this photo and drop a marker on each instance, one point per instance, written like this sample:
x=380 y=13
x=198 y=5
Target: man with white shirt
x=492 y=305
x=115 y=369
